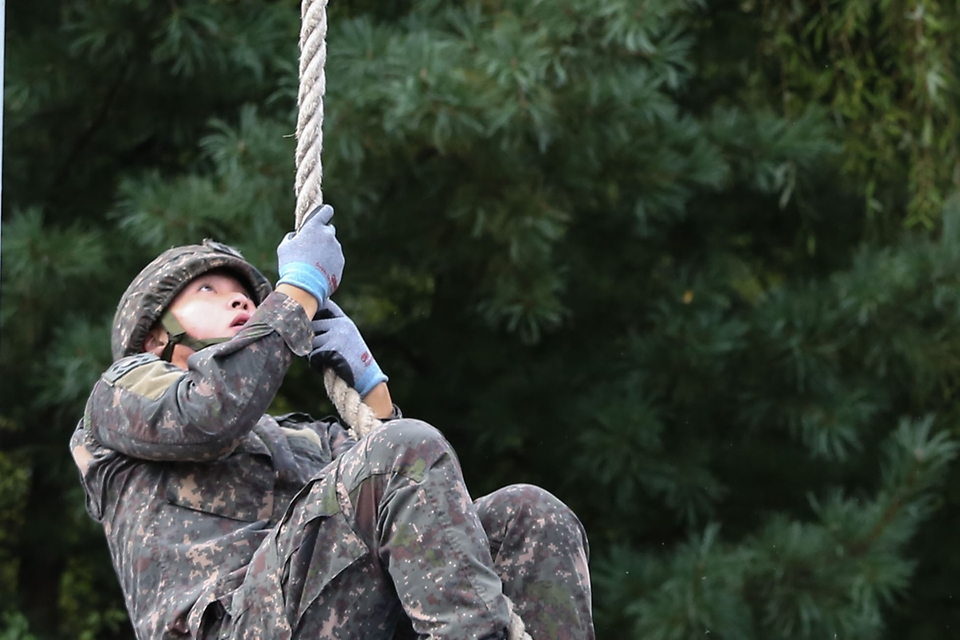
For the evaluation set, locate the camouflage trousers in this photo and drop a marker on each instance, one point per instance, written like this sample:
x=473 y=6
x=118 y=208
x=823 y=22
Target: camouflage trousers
x=388 y=534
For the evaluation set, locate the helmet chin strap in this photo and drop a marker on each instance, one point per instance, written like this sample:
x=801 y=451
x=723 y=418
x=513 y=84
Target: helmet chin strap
x=176 y=334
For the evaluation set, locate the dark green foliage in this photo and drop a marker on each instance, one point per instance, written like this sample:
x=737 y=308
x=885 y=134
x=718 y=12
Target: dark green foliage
x=887 y=72
x=649 y=255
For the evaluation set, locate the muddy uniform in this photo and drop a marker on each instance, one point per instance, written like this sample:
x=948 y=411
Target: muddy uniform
x=223 y=522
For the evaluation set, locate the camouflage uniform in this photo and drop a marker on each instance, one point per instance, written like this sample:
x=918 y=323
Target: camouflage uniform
x=223 y=522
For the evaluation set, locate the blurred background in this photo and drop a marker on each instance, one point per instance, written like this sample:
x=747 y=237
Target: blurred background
x=693 y=266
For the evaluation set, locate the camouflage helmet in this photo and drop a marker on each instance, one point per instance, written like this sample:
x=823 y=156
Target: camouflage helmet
x=155 y=287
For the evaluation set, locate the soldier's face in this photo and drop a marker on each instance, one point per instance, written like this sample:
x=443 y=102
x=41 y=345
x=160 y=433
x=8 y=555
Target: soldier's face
x=213 y=305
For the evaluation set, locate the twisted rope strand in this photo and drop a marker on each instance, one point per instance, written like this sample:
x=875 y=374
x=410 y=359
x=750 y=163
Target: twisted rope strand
x=358 y=415
x=516 y=630
x=313 y=84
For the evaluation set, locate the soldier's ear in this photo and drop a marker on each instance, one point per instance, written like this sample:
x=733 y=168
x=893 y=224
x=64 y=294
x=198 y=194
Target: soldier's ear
x=155 y=341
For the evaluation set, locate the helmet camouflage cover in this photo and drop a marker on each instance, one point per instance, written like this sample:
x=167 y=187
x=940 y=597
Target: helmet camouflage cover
x=155 y=287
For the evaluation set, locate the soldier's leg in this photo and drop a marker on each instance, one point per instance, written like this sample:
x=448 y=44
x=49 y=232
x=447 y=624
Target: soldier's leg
x=313 y=577
x=540 y=553
x=391 y=522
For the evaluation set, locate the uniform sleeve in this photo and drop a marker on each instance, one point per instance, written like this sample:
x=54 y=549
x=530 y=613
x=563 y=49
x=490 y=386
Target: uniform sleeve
x=147 y=408
x=90 y=457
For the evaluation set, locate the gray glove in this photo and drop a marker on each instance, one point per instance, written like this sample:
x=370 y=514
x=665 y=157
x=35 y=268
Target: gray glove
x=311 y=258
x=338 y=345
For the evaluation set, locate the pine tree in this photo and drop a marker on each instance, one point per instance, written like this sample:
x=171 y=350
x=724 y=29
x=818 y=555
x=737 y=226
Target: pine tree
x=590 y=240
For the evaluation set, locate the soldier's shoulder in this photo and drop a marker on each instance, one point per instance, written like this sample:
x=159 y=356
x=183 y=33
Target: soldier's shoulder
x=123 y=366
x=144 y=374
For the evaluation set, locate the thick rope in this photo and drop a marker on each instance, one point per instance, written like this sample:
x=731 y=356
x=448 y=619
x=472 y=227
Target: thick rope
x=516 y=631
x=313 y=83
x=358 y=416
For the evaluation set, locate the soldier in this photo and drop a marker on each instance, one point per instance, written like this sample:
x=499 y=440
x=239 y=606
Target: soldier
x=223 y=522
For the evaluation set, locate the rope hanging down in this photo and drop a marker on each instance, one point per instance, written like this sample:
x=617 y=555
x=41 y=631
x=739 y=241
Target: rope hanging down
x=313 y=83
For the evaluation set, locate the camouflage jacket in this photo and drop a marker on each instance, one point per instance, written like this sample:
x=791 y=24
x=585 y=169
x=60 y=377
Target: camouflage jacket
x=186 y=473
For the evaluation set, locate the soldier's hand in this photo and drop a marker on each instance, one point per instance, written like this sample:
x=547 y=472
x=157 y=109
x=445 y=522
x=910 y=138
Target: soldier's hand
x=311 y=258
x=338 y=345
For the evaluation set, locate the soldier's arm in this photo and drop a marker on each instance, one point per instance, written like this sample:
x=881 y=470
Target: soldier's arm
x=380 y=401
x=147 y=408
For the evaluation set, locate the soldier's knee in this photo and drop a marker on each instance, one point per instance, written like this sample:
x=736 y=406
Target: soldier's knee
x=407 y=432
x=409 y=444
x=539 y=511
x=538 y=501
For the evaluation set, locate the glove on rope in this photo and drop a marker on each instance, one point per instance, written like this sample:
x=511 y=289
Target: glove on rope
x=338 y=345
x=311 y=258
